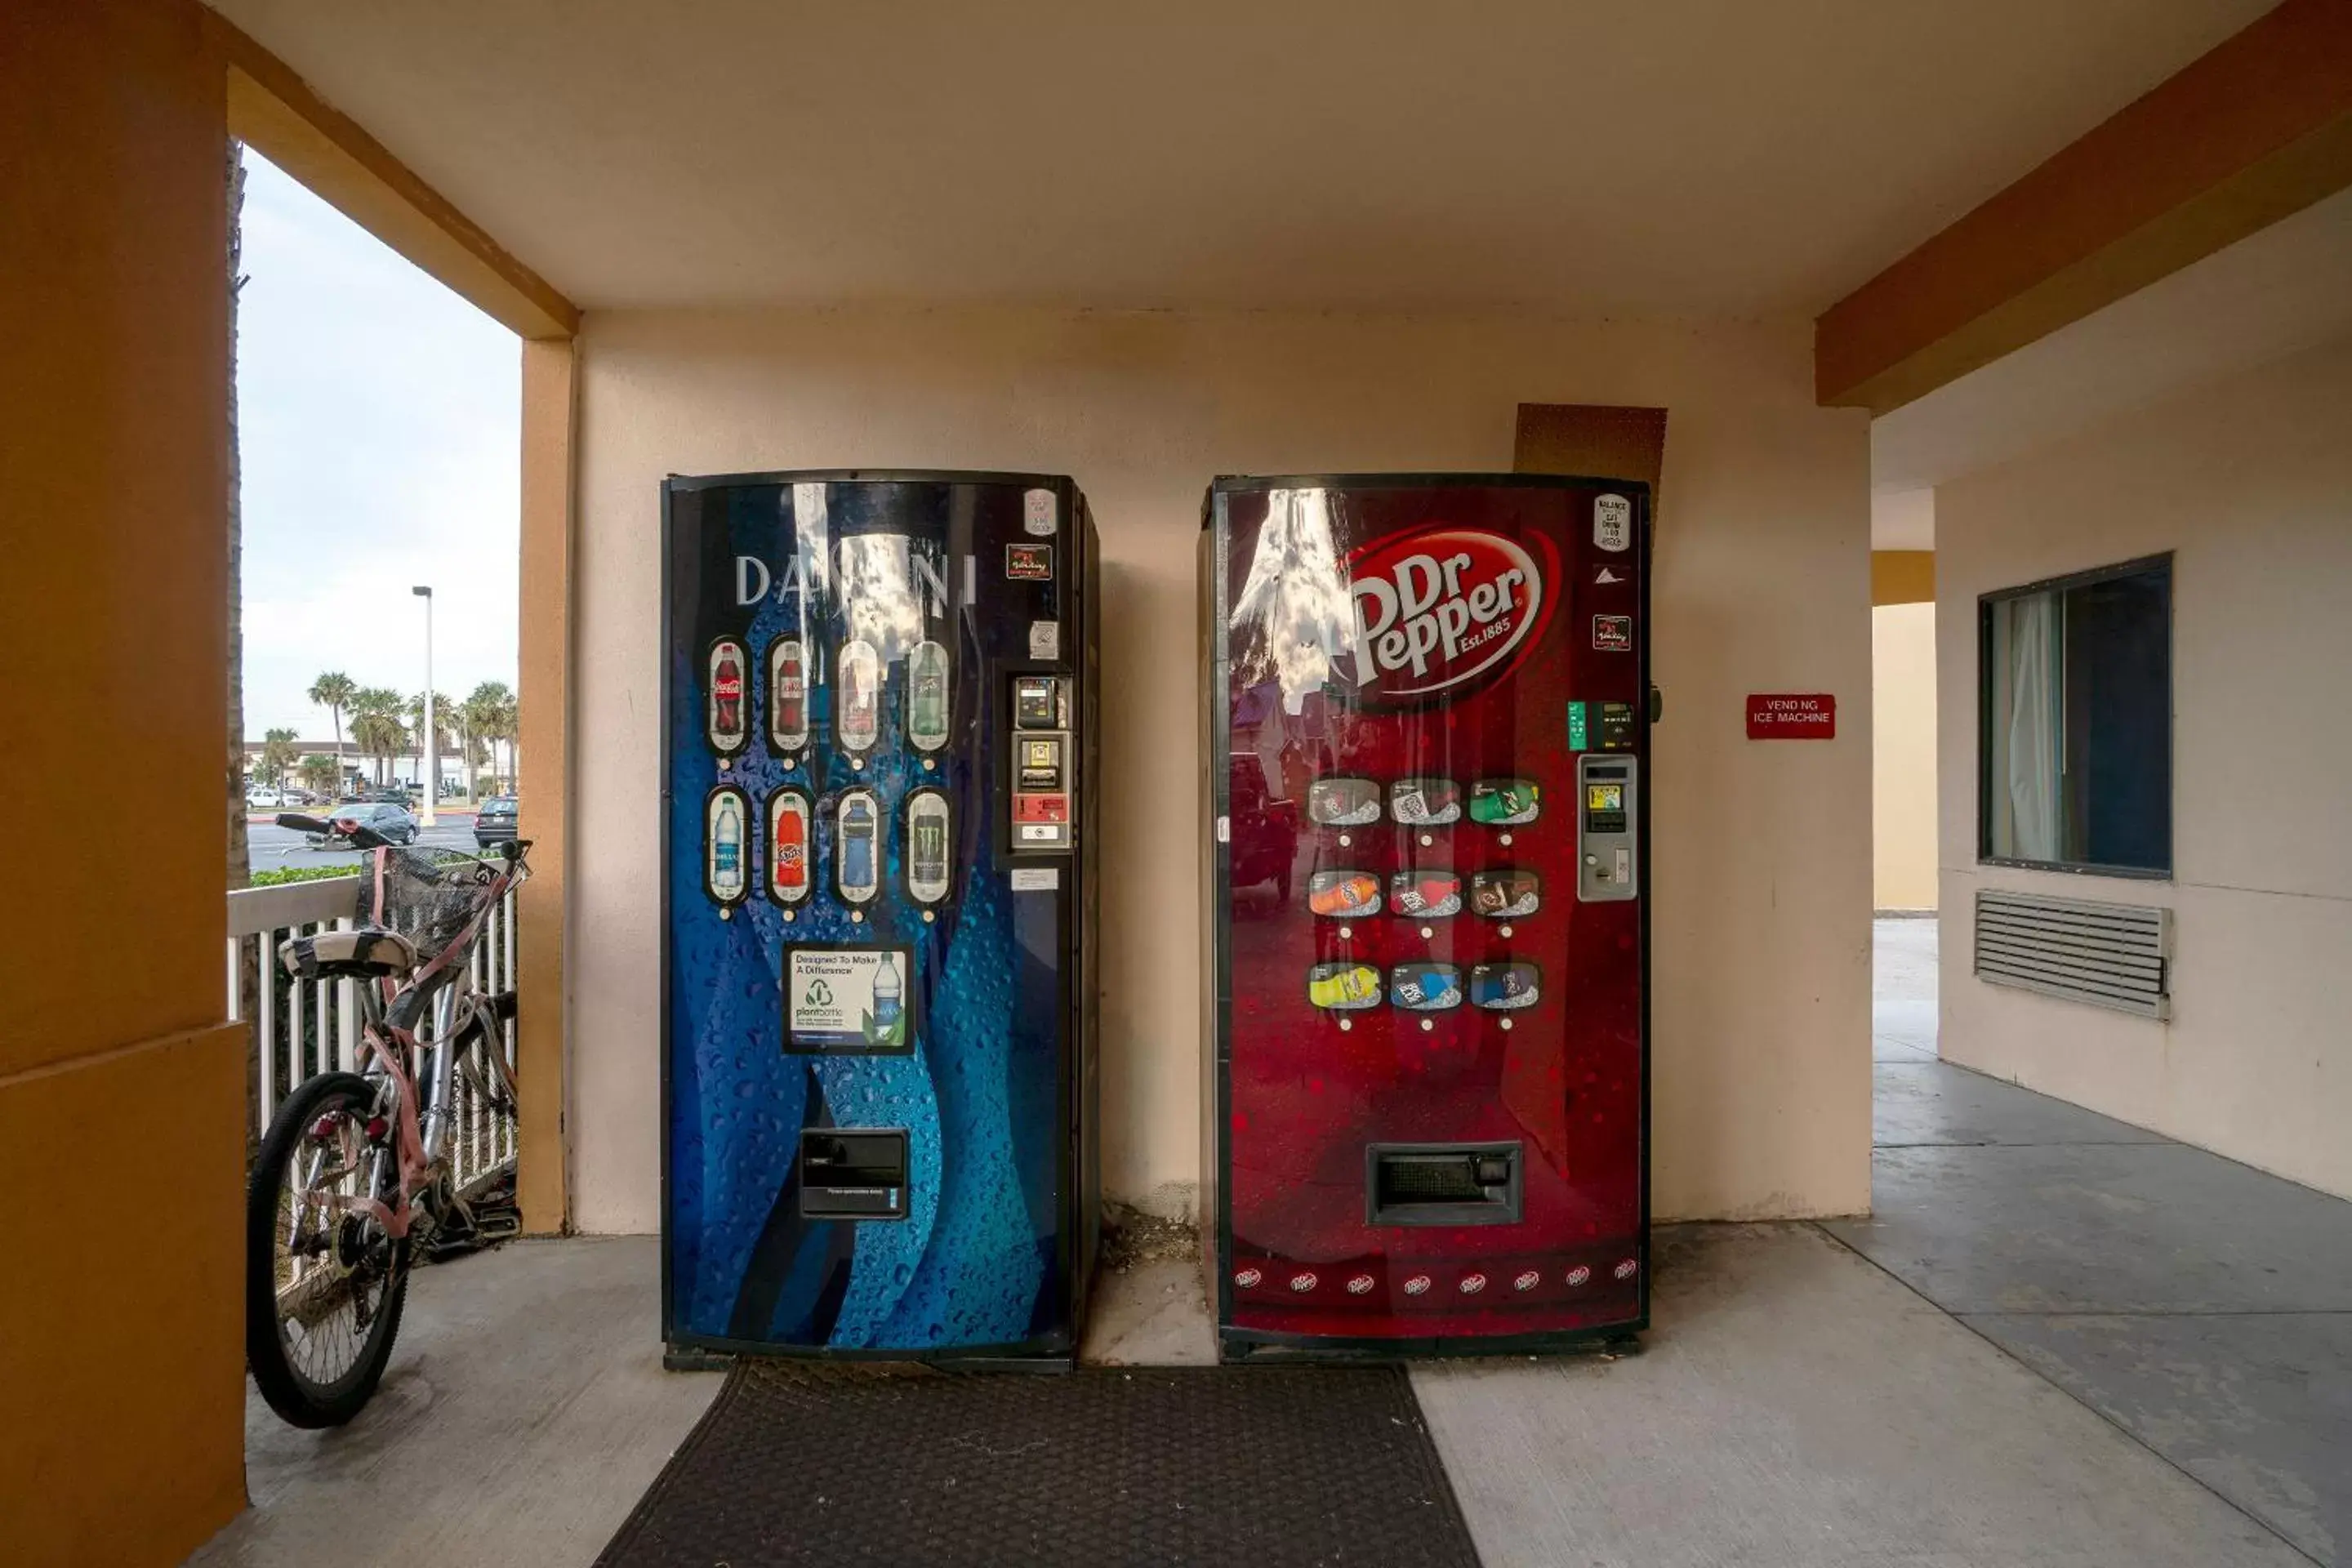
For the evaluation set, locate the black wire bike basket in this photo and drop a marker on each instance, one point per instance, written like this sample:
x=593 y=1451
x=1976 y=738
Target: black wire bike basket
x=425 y=895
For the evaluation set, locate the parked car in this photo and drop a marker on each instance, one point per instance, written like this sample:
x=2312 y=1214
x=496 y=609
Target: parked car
x=262 y=796
x=391 y=821
x=495 y=822
x=294 y=795
x=390 y=795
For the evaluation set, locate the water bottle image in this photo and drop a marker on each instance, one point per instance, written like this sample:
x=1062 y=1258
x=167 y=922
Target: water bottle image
x=726 y=849
x=859 y=879
x=887 y=1005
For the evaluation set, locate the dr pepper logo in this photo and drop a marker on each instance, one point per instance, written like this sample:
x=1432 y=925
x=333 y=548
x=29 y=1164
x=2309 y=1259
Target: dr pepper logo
x=1442 y=607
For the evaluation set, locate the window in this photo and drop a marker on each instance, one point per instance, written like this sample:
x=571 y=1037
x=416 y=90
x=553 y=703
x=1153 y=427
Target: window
x=2074 y=681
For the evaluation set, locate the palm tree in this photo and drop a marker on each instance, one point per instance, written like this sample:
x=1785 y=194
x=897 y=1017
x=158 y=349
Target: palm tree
x=322 y=776
x=491 y=713
x=480 y=712
x=278 y=754
x=444 y=715
x=240 y=869
x=334 y=691
x=376 y=726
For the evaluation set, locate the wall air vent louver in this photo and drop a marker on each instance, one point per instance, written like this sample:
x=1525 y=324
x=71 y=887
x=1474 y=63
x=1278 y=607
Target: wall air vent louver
x=2110 y=955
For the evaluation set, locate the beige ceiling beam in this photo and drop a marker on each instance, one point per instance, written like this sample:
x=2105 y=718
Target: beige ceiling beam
x=273 y=112
x=2251 y=132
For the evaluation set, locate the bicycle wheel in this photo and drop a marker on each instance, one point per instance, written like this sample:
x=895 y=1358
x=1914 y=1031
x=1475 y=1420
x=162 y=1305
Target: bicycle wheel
x=324 y=1284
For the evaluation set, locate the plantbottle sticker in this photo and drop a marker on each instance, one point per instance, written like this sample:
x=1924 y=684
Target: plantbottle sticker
x=1612 y=523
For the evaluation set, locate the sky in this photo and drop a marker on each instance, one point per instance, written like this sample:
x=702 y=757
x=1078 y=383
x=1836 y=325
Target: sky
x=380 y=425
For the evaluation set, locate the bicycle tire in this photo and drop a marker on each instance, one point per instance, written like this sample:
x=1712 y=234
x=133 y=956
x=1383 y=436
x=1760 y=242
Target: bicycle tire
x=297 y=1401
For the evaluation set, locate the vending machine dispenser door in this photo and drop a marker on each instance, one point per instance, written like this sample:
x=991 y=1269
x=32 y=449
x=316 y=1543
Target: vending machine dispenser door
x=1427 y=1101
x=877 y=1012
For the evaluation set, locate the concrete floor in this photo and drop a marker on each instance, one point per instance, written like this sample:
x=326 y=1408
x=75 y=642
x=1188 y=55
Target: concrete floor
x=524 y=1411
x=2198 y=1305
x=2058 y=1341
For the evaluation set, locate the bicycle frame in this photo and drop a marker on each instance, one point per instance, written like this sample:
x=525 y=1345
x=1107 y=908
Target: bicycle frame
x=421 y=1130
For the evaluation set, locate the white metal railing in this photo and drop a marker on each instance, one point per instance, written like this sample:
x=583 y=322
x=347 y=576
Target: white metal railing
x=302 y=1027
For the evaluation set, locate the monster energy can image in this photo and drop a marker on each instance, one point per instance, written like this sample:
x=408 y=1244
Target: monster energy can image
x=927 y=846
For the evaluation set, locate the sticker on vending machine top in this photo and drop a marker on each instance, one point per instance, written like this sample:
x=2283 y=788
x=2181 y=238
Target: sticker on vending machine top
x=1029 y=563
x=1612 y=523
x=1612 y=634
x=1037 y=512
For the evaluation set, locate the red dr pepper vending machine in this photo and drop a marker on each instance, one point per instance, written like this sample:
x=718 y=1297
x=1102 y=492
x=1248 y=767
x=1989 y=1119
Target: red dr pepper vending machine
x=1428 y=711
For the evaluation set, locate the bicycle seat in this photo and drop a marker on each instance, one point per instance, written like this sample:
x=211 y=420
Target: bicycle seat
x=367 y=952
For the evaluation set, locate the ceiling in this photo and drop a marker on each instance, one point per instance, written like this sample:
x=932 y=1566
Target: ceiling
x=1704 y=157
x=2283 y=288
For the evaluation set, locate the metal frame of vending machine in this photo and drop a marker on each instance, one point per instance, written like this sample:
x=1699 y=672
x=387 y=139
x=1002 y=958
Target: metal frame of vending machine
x=880 y=787
x=1425 y=913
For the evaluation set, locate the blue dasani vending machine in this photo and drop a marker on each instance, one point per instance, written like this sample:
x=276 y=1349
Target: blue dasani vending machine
x=878 y=878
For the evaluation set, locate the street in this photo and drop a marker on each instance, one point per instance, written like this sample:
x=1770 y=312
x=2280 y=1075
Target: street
x=269 y=846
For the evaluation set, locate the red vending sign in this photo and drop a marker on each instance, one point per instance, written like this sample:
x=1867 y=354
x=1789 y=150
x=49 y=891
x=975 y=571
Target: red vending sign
x=1429 y=717
x=1791 y=716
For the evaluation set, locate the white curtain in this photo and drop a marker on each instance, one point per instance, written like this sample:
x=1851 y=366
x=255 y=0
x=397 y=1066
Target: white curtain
x=2033 y=739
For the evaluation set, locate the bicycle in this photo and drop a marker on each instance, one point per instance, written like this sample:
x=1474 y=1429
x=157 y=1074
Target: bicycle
x=353 y=1175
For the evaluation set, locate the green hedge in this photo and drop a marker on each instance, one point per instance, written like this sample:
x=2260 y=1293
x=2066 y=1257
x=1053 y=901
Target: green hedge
x=271 y=878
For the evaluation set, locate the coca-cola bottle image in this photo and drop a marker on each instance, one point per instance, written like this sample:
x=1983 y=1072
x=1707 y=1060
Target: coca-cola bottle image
x=787 y=694
x=726 y=696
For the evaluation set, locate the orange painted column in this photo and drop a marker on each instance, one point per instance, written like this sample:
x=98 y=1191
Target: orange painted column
x=121 y=1086
x=544 y=751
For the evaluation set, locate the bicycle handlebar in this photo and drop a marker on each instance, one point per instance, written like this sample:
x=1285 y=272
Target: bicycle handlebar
x=361 y=836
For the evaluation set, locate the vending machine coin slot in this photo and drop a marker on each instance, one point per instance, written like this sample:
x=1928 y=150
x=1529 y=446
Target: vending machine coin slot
x=853 y=1174
x=1442 y=1184
x=1608 y=805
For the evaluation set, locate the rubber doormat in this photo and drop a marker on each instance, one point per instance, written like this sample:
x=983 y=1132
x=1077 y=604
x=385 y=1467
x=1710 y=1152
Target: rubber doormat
x=1271 y=1466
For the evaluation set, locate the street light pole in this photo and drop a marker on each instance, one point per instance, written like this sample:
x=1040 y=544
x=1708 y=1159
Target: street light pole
x=432 y=736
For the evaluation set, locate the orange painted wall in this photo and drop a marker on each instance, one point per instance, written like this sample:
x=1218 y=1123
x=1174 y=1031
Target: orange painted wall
x=120 y=1127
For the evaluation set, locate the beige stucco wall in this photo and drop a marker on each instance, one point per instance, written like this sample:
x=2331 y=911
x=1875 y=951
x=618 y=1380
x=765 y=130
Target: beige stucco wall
x=2248 y=482
x=1761 y=859
x=1902 y=756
